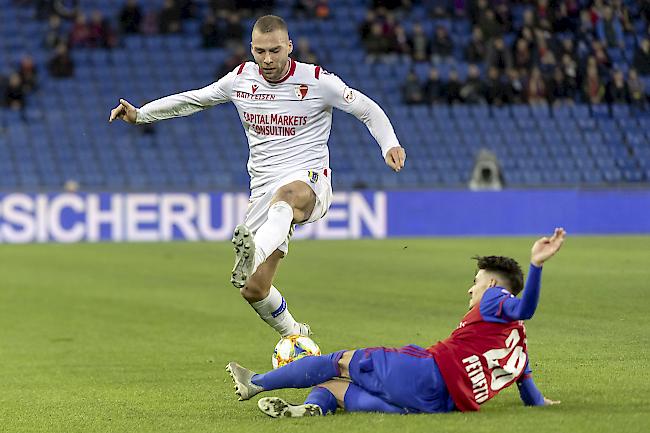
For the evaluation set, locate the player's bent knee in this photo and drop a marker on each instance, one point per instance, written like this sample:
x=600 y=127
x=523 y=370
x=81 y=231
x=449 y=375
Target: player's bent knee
x=253 y=293
x=344 y=363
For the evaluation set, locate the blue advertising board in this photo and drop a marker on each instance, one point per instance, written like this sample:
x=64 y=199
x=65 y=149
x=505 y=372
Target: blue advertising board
x=138 y=217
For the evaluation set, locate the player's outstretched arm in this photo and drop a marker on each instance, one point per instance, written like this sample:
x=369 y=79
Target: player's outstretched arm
x=124 y=111
x=529 y=393
x=543 y=249
x=340 y=96
x=546 y=247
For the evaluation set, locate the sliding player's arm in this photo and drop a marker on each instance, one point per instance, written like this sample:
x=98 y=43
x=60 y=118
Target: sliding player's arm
x=338 y=95
x=180 y=104
x=543 y=249
x=528 y=391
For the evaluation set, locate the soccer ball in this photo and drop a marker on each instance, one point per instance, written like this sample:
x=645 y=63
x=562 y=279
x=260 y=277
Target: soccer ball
x=293 y=347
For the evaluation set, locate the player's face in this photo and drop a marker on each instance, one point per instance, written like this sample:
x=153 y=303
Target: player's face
x=482 y=281
x=271 y=52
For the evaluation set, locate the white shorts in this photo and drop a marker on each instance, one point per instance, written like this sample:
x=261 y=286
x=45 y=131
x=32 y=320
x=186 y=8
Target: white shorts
x=260 y=201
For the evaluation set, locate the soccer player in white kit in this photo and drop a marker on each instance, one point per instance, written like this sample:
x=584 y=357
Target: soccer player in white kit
x=286 y=110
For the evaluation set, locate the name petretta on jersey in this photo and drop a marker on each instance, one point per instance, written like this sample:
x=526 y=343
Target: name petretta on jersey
x=255 y=96
x=274 y=124
x=475 y=373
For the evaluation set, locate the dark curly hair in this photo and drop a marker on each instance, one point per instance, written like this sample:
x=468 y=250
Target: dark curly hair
x=506 y=267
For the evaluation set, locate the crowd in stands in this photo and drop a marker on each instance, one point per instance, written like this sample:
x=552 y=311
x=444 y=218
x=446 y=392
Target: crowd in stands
x=555 y=51
x=561 y=51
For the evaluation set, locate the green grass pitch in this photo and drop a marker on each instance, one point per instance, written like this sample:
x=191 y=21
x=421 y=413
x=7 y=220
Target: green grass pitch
x=135 y=337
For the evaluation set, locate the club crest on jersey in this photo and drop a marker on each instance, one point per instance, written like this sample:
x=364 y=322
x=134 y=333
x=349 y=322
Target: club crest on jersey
x=348 y=95
x=254 y=88
x=313 y=176
x=301 y=91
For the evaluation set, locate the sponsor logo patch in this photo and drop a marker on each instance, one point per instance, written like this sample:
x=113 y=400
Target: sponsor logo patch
x=254 y=88
x=313 y=176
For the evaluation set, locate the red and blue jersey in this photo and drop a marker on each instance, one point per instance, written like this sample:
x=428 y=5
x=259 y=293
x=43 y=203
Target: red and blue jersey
x=487 y=351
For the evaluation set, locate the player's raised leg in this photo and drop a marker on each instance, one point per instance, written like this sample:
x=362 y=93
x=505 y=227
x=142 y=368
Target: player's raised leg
x=292 y=204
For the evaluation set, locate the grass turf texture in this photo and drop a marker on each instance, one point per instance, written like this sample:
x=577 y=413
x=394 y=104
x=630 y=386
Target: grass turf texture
x=135 y=337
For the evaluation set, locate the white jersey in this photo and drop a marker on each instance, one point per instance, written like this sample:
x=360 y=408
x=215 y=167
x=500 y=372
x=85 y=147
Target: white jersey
x=287 y=123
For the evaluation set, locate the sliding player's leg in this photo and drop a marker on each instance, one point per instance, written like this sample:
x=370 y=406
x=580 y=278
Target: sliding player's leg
x=324 y=399
x=302 y=373
x=268 y=302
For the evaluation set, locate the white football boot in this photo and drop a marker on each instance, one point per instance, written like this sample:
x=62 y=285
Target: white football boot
x=275 y=407
x=242 y=239
x=241 y=376
x=305 y=330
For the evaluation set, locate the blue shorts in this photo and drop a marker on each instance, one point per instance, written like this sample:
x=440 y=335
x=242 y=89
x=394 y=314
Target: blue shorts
x=407 y=377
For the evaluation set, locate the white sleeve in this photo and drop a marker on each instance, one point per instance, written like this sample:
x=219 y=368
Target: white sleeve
x=340 y=96
x=186 y=103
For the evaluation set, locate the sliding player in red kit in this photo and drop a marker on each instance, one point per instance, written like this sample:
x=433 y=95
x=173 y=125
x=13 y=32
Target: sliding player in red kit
x=483 y=355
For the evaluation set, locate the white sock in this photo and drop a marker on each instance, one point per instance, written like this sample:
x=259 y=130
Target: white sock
x=273 y=310
x=273 y=232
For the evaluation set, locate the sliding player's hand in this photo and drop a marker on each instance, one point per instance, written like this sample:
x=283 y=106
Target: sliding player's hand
x=395 y=158
x=124 y=111
x=546 y=247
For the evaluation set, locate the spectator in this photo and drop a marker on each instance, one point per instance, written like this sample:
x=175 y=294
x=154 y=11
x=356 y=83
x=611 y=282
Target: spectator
x=473 y=89
x=559 y=91
x=496 y=91
x=400 y=42
x=312 y=8
x=186 y=8
x=489 y=25
x=602 y=58
x=234 y=30
x=54 y=34
x=636 y=89
x=412 y=92
x=130 y=17
x=365 y=29
x=419 y=44
x=452 y=89
x=503 y=16
x=570 y=73
x=475 y=50
x=433 y=88
x=621 y=11
x=610 y=29
x=223 y=6
x=499 y=56
x=376 y=43
x=593 y=89
x=60 y=65
x=80 y=36
x=14 y=97
x=27 y=72
x=514 y=88
x=210 y=36
x=523 y=58
x=566 y=47
x=236 y=58
x=642 y=57
x=100 y=32
x=617 y=91
x=169 y=18
x=536 y=92
x=442 y=46
x=304 y=53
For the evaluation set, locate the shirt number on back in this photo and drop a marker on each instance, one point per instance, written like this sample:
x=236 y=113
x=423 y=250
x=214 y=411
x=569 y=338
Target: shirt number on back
x=516 y=361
